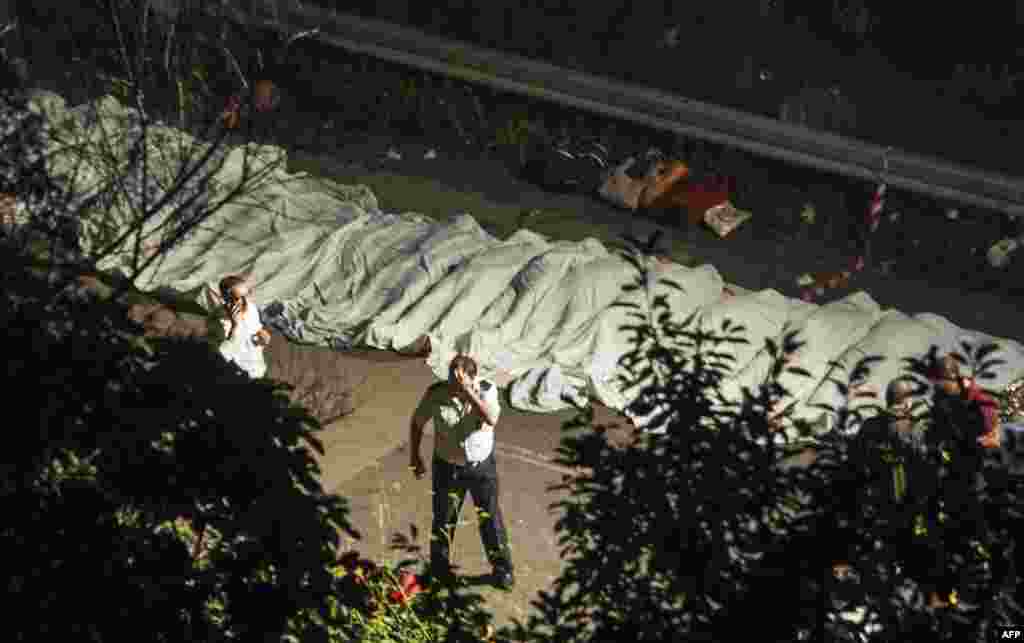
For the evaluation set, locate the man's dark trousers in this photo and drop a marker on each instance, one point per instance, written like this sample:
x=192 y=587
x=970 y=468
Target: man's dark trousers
x=450 y=484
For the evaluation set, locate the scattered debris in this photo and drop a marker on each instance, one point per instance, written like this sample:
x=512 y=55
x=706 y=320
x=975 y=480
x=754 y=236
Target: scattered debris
x=876 y=207
x=231 y=117
x=814 y=285
x=574 y=167
x=724 y=218
x=662 y=183
x=620 y=188
x=265 y=98
x=266 y=95
x=662 y=176
x=1000 y=254
x=393 y=154
x=652 y=189
x=808 y=215
x=696 y=198
x=670 y=39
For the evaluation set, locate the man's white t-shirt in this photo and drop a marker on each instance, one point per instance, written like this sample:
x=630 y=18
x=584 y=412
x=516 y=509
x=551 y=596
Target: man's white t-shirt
x=461 y=435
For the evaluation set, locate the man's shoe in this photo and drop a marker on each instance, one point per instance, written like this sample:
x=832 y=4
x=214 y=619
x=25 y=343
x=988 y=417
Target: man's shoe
x=504 y=580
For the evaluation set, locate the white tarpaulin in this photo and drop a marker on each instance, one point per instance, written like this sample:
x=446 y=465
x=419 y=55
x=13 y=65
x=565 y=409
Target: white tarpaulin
x=540 y=316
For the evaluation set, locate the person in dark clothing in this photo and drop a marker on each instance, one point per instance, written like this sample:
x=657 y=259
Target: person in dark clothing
x=965 y=426
x=886 y=442
x=893 y=450
x=464 y=411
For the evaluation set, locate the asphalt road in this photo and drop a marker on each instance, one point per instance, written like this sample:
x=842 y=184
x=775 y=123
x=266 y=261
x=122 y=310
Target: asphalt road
x=939 y=277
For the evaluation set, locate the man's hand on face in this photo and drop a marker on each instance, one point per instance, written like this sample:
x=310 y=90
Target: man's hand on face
x=465 y=382
x=234 y=307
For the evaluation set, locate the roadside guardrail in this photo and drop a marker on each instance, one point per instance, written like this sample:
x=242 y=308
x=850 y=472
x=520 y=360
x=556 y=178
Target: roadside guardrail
x=756 y=134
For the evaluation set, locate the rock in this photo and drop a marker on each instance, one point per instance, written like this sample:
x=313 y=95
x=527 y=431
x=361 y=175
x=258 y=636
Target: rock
x=809 y=215
x=322 y=381
x=419 y=347
x=94 y=286
x=160 y=322
x=140 y=313
x=185 y=326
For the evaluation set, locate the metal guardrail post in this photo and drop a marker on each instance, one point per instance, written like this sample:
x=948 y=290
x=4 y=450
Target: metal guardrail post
x=757 y=134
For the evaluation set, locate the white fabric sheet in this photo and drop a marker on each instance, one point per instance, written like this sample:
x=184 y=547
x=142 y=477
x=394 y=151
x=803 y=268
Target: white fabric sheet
x=539 y=316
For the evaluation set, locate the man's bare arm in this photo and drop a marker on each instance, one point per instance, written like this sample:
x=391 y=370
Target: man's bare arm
x=488 y=411
x=415 y=436
x=419 y=419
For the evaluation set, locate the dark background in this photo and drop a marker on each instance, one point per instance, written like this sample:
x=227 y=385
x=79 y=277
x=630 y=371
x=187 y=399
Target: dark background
x=929 y=39
x=935 y=79
x=931 y=78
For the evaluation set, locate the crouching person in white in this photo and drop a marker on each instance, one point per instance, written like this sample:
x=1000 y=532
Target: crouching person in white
x=244 y=333
x=464 y=411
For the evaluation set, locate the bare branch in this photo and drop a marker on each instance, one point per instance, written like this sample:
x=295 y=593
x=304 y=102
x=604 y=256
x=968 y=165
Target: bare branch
x=167 y=48
x=11 y=26
x=122 y=47
x=235 y=66
x=147 y=215
x=302 y=34
x=197 y=220
x=187 y=197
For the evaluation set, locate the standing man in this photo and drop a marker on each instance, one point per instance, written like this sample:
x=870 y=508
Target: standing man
x=968 y=422
x=889 y=441
x=464 y=411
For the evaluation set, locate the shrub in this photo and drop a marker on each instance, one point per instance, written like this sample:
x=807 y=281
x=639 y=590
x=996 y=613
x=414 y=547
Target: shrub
x=691 y=534
x=375 y=603
x=125 y=444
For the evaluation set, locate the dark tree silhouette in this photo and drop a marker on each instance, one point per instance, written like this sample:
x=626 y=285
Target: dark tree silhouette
x=707 y=532
x=148 y=477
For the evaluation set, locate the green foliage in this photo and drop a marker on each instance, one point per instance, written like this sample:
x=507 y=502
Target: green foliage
x=688 y=533
x=517 y=129
x=151 y=476
x=384 y=603
x=127 y=459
